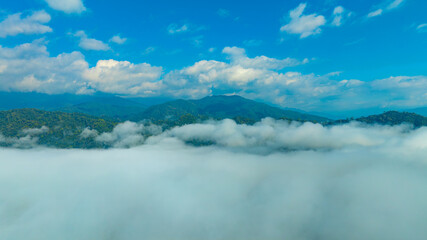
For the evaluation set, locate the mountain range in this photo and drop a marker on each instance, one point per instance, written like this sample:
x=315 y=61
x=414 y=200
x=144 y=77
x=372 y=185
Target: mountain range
x=60 y=120
x=221 y=107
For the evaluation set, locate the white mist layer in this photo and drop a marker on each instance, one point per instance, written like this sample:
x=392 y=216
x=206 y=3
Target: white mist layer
x=269 y=135
x=167 y=190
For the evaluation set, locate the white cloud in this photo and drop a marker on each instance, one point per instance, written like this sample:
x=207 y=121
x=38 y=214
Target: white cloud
x=395 y=4
x=88 y=133
x=27 y=138
x=175 y=28
x=28 y=67
x=32 y=24
x=124 y=77
x=375 y=13
x=117 y=39
x=339 y=16
x=269 y=135
x=90 y=43
x=385 y=7
x=241 y=73
x=422 y=27
x=402 y=90
x=303 y=25
x=35 y=131
x=149 y=50
x=67 y=6
x=238 y=57
x=128 y=134
x=168 y=190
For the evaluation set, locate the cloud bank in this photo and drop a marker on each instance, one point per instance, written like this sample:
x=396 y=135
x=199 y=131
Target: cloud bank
x=30 y=67
x=167 y=190
x=267 y=136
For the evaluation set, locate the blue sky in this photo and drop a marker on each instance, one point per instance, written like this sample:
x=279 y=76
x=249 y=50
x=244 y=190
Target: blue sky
x=312 y=55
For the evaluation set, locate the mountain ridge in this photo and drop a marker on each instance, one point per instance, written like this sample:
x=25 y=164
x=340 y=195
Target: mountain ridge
x=221 y=107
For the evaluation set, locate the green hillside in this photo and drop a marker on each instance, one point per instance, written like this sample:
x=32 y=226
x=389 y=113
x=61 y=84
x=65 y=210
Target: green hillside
x=113 y=108
x=64 y=129
x=391 y=118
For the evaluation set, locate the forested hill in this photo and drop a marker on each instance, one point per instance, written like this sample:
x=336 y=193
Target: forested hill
x=57 y=129
x=391 y=118
x=221 y=107
x=27 y=127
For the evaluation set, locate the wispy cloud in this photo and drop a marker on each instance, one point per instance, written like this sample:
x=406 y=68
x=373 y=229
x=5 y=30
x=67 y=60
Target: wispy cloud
x=340 y=15
x=223 y=13
x=422 y=27
x=385 y=7
x=175 y=28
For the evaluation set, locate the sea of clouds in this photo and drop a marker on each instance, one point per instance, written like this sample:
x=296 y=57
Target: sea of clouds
x=271 y=180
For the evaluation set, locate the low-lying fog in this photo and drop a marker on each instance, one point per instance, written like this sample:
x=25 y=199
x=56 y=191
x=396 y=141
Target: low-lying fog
x=273 y=180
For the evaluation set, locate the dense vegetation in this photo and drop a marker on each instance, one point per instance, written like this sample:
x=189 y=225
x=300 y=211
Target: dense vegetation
x=113 y=108
x=390 y=118
x=63 y=129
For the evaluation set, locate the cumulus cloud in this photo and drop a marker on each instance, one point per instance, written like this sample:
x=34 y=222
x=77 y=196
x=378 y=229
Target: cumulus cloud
x=90 y=43
x=385 y=7
x=167 y=190
x=240 y=73
x=67 y=6
x=124 y=77
x=28 y=67
x=259 y=78
x=32 y=24
x=117 y=39
x=303 y=25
